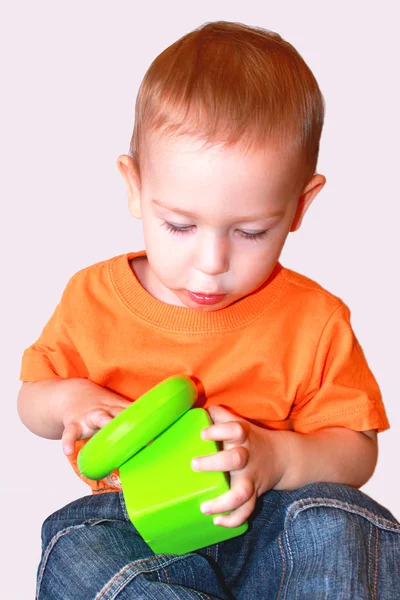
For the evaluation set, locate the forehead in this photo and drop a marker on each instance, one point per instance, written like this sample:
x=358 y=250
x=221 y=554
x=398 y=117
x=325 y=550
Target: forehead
x=184 y=163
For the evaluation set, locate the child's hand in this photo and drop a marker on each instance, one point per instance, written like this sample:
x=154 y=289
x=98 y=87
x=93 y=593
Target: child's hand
x=85 y=408
x=250 y=454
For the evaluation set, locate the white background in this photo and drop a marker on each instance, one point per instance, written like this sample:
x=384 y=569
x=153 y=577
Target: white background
x=69 y=77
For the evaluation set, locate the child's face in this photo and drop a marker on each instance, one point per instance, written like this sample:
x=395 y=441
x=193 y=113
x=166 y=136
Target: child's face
x=214 y=221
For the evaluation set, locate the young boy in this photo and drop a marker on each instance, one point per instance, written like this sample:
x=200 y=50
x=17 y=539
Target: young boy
x=222 y=167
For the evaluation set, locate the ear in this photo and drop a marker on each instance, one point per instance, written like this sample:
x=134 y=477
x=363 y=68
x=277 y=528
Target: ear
x=130 y=172
x=311 y=189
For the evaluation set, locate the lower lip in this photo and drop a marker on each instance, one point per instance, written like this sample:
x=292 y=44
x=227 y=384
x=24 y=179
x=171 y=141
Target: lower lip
x=202 y=299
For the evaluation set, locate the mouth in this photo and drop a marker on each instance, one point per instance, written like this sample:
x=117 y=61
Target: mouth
x=200 y=298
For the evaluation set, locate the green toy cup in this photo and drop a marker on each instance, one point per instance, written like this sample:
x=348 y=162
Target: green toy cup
x=152 y=443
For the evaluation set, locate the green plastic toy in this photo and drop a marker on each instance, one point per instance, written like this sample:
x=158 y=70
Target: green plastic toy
x=152 y=443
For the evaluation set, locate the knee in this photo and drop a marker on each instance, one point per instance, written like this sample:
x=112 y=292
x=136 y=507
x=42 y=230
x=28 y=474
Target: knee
x=348 y=500
x=328 y=492
x=324 y=522
x=330 y=516
x=325 y=510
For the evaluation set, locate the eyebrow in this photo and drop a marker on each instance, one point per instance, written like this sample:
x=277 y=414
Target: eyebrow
x=276 y=213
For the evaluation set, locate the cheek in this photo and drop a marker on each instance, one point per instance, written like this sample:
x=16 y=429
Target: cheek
x=255 y=267
x=164 y=252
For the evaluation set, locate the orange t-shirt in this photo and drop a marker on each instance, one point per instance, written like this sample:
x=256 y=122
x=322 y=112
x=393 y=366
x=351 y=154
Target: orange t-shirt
x=285 y=356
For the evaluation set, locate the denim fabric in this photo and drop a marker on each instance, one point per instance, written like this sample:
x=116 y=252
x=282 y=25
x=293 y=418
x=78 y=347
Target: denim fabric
x=323 y=541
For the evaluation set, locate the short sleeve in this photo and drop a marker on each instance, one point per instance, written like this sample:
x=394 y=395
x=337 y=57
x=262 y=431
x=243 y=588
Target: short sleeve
x=54 y=353
x=342 y=391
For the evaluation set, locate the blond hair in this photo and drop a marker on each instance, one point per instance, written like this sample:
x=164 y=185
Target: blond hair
x=229 y=83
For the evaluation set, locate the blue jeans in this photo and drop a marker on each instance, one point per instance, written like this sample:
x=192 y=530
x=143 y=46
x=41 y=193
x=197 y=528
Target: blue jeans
x=323 y=541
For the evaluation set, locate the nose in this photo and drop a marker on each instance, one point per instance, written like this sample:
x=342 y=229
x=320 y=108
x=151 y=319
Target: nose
x=212 y=254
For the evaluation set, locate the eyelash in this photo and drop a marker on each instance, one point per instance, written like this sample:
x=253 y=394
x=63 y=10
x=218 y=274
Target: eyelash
x=185 y=230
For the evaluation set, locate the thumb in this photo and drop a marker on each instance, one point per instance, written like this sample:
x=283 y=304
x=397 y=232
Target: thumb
x=219 y=414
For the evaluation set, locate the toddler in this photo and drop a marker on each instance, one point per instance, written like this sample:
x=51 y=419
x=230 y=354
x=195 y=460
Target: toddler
x=222 y=167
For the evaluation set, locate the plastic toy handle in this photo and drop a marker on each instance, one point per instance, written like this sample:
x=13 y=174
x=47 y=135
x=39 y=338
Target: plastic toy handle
x=135 y=426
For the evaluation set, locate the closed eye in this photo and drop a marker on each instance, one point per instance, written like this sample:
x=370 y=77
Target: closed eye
x=260 y=235
x=175 y=229
x=185 y=229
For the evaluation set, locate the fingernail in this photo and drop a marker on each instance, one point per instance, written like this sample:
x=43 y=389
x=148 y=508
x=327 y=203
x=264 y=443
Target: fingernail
x=217 y=521
x=195 y=464
x=205 y=508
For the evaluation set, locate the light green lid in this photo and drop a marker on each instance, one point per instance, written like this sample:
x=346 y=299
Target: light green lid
x=136 y=426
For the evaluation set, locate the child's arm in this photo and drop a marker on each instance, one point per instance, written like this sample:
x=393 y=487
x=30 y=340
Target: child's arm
x=67 y=409
x=259 y=460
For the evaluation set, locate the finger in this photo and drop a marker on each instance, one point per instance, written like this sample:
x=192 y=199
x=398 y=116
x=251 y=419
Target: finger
x=238 y=516
x=115 y=410
x=219 y=414
x=231 y=500
x=233 y=431
x=97 y=418
x=225 y=460
x=71 y=433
